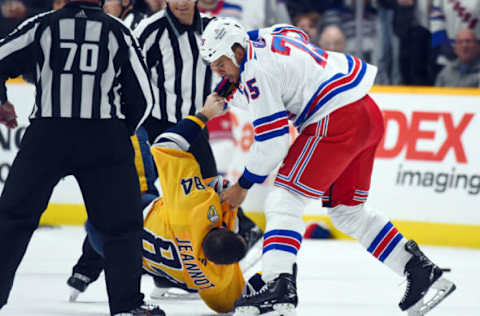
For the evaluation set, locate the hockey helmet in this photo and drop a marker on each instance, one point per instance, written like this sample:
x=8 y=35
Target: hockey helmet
x=219 y=37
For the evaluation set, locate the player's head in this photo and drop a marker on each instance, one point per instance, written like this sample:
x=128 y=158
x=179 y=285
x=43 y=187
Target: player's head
x=223 y=46
x=222 y=246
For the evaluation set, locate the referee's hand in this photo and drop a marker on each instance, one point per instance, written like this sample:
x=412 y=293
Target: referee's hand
x=8 y=117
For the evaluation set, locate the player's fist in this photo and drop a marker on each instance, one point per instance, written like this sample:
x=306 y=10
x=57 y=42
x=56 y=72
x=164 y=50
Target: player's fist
x=8 y=117
x=214 y=105
x=234 y=195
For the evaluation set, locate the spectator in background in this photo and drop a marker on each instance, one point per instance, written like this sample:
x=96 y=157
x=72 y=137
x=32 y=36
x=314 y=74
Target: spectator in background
x=465 y=70
x=344 y=16
x=386 y=57
x=156 y=5
x=415 y=57
x=253 y=14
x=309 y=23
x=298 y=7
x=447 y=18
x=14 y=9
x=13 y=12
x=332 y=39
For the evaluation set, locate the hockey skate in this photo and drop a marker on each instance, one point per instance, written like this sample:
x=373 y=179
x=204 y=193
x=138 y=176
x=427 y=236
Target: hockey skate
x=78 y=283
x=144 y=310
x=277 y=297
x=423 y=277
x=253 y=237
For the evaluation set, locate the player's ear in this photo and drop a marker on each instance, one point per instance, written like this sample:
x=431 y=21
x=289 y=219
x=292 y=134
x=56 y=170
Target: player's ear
x=239 y=53
x=222 y=246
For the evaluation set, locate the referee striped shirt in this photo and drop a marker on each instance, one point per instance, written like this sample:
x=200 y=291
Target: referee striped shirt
x=181 y=80
x=86 y=65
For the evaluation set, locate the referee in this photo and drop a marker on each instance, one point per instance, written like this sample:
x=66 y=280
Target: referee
x=181 y=80
x=92 y=92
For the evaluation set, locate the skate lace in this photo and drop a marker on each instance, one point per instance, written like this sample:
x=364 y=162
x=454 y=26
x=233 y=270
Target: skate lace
x=259 y=292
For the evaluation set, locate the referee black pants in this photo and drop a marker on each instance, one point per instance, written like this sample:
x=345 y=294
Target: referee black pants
x=98 y=153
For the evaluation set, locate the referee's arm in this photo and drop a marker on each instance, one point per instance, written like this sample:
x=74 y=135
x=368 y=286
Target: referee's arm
x=15 y=53
x=137 y=94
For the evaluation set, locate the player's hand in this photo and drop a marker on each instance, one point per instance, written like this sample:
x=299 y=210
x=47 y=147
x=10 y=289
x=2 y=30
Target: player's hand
x=214 y=105
x=8 y=117
x=234 y=195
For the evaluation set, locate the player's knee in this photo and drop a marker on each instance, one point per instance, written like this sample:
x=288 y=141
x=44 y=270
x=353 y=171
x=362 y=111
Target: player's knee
x=349 y=219
x=284 y=209
x=222 y=246
x=281 y=201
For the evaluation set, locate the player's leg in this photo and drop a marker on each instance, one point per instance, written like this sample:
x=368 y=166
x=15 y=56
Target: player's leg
x=374 y=231
x=307 y=171
x=32 y=177
x=87 y=269
x=350 y=215
x=248 y=229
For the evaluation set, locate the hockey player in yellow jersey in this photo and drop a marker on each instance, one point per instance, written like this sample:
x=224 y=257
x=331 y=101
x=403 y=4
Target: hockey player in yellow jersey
x=188 y=238
x=188 y=233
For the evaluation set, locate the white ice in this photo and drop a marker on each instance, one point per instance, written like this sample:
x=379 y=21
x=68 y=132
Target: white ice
x=336 y=278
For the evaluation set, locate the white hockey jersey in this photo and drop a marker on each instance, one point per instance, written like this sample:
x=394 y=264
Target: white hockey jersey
x=450 y=16
x=285 y=78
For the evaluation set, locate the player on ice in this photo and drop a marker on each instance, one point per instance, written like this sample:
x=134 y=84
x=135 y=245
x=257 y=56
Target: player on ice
x=325 y=95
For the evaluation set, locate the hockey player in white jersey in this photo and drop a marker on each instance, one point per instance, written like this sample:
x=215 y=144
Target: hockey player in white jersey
x=325 y=95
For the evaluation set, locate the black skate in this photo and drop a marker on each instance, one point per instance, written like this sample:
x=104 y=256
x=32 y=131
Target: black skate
x=253 y=237
x=423 y=275
x=248 y=230
x=278 y=295
x=79 y=283
x=144 y=310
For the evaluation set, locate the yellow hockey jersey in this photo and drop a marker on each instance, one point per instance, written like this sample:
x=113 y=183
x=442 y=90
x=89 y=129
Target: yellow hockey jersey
x=175 y=227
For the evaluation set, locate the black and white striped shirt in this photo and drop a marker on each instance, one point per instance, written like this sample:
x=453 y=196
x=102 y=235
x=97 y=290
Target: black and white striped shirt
x=181 y=80
x=86 y=65
x=132 y=18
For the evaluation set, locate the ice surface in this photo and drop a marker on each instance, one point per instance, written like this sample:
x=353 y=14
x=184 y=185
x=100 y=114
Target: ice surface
x=336 y=278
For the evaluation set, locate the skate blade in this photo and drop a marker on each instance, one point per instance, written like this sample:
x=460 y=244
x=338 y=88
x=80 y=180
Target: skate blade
x=284 y=310
x=74 y=295
x=173 y=294
x=281 y=309
x=246 y=311
x=443 y=288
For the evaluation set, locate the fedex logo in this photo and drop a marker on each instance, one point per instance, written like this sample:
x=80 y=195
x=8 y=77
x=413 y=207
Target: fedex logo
x=410 y=133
